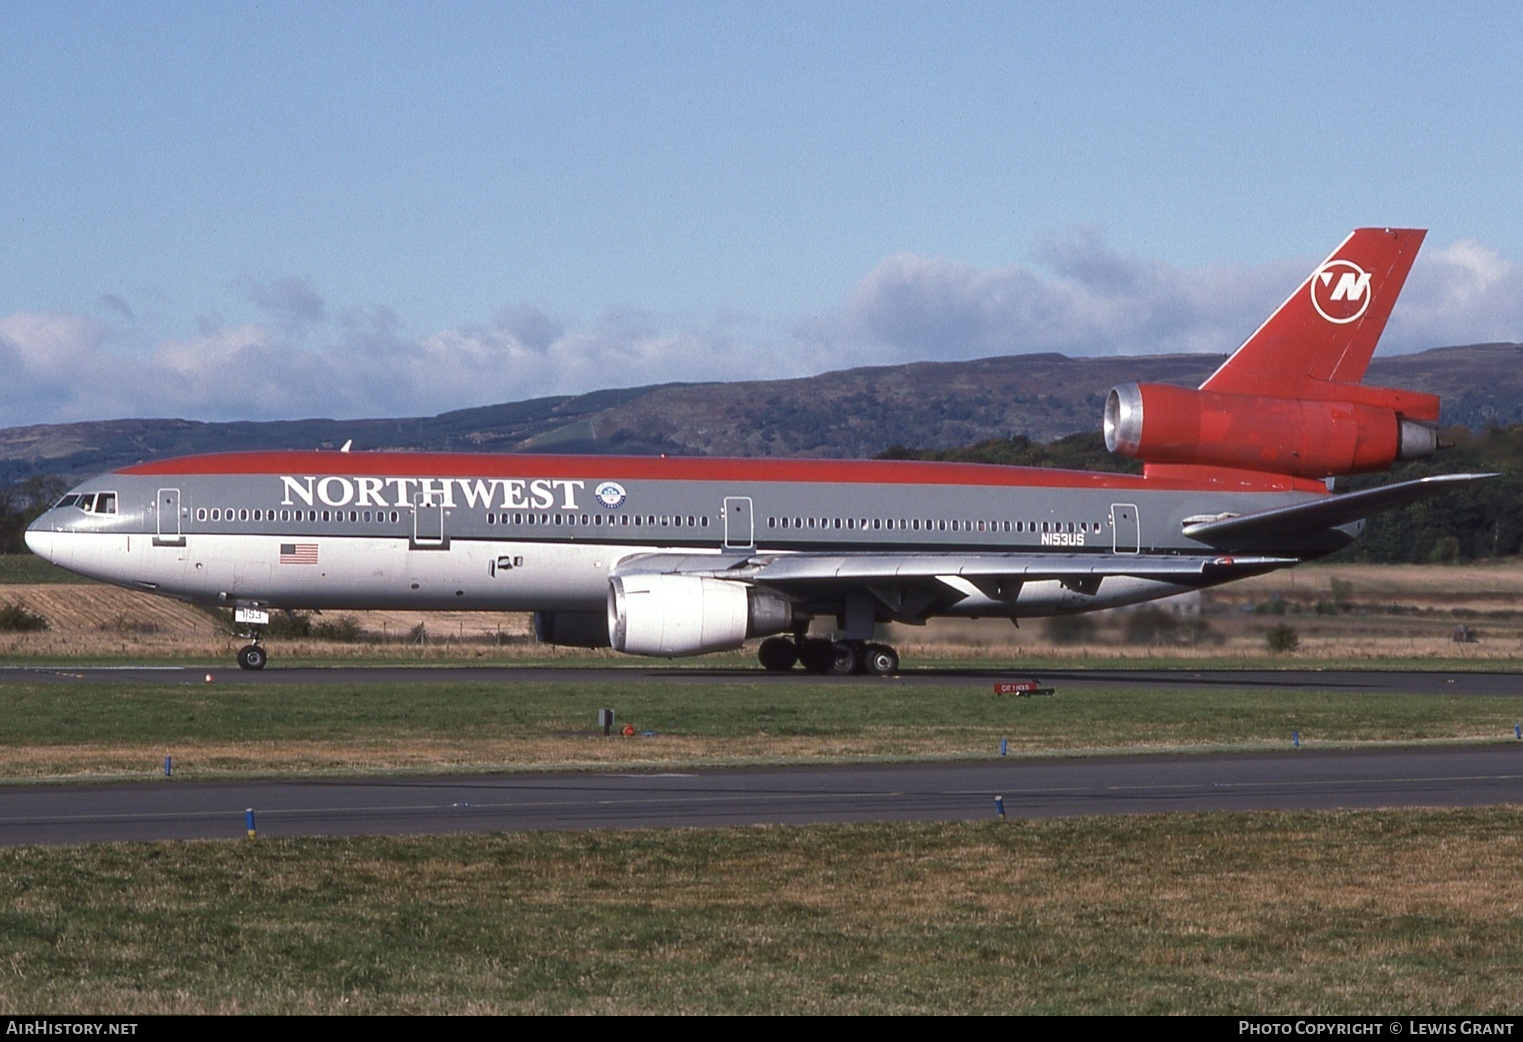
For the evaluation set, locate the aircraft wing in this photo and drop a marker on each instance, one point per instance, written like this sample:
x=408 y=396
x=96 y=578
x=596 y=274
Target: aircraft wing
x=791 y=569
x=1323 y=514
x=910 y=586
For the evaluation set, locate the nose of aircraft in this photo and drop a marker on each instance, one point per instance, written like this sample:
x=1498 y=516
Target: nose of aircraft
x=40 y=541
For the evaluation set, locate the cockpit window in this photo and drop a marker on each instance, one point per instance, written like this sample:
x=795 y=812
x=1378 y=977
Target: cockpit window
x=66 y=501
x=98 y=503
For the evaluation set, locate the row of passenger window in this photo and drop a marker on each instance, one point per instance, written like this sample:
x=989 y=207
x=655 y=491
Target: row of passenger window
x=940 y=524
x=105 y=502
x=394 y=517
x=598 y=520
x=331 y=516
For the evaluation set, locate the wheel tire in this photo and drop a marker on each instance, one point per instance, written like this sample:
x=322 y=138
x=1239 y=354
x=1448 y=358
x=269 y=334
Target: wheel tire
x=844 y=659
x=816 y=655
x=778 y=654
x=252 y=656
x=880 y=660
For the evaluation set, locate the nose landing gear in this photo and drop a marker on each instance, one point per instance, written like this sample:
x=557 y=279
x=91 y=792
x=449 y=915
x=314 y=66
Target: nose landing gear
x=252 y=656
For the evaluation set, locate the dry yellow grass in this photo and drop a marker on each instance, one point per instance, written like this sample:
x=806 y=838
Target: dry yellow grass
x=98 y=621
x=122 y=761
x=1393 y=612
x=1483 y=586
x=1400 y=913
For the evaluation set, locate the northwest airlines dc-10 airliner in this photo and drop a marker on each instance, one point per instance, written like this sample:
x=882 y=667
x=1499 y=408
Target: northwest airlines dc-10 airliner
x=670 y=557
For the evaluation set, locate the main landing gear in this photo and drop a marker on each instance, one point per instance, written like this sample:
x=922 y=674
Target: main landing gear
x=836 y=658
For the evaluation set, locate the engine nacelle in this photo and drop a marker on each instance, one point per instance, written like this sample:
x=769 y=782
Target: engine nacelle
x=673 y=615
x=1304 y=437
x=572 y=629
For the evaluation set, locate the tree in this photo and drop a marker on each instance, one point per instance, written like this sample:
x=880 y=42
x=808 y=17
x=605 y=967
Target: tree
x=1282 y=638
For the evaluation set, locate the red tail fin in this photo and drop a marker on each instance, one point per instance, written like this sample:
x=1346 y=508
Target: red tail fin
x=1288 y=406
x=1327 y=330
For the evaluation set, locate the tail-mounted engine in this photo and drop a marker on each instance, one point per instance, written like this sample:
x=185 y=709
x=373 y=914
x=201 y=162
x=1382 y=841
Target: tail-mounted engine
x=1337 y=429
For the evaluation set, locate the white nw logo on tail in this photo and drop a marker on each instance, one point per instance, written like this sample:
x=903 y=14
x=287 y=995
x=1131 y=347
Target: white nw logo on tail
x=1340 y=291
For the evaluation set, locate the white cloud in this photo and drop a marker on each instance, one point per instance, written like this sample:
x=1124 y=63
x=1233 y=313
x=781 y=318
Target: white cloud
x=1079 y=298
x=44 y=356
x=293 y=303
x=64 y=367
x=1464 y=293
x=1093 y=302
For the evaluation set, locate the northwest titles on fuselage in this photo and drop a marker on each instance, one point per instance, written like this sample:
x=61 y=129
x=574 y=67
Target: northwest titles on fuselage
x=501 y=493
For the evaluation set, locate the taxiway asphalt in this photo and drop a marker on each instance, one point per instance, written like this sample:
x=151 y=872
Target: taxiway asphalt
x=1454 y=775
x=1027 y=788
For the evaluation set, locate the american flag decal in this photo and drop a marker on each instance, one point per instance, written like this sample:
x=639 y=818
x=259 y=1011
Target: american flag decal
x=298 y=553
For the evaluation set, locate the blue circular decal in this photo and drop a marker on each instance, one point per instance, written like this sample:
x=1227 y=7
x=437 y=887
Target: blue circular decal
x=610 y=494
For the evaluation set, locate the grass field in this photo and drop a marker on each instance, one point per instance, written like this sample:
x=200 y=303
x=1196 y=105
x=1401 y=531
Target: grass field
x=29 y=568
x=85 y=729
x=1336 y=913
x=1394 y=912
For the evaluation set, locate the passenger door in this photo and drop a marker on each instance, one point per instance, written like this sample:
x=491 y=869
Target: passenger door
x=1125 y=528
x=167 y=508
x=739 y=526
x=428 y=531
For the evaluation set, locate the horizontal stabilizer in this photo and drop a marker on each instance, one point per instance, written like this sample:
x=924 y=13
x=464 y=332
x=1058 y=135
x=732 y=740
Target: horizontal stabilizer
x=1331 y=512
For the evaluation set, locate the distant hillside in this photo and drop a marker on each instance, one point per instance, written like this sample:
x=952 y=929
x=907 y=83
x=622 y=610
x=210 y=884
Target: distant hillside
x=854 y=413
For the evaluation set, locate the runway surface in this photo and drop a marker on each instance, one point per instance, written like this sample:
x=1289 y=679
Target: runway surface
x=1414 y=683
x=1438 y=776
x=1051 y=787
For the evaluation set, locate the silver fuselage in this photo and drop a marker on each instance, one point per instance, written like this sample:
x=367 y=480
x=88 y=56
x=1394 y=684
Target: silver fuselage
x=521 y=533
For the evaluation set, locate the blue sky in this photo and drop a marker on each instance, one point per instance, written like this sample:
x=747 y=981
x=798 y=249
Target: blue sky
x=278 y=209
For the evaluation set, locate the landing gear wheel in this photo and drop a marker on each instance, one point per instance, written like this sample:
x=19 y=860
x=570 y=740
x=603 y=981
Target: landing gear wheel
x=843 y=659
x=778 y=654
x=880 y=660
x=252 y=656
x=816 y=655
